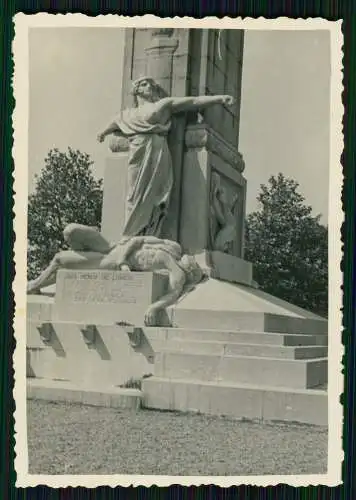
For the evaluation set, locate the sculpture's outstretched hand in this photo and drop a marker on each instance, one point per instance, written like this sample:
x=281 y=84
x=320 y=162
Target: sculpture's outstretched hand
x=101 y=137
x=228 y=100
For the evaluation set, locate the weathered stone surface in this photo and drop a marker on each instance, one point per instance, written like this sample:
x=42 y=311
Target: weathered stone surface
x=39 y=307
x=239 y=349
x=106 y=296
x=240 y=337
x=226 y=267
x=237 y=400
x=209 y=157
x=277 y=372
x=200 y=136
x=215 y=304
x=110 y=360
x=70 y=393
x=217 y=74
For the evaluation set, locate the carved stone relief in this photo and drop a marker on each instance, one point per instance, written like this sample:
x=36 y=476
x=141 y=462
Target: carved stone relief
x=225 y=222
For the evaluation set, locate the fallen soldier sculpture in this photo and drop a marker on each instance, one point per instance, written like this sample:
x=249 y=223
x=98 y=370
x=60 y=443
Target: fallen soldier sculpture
x=90 y=250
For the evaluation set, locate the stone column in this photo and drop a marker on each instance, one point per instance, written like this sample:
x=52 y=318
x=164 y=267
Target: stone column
x=213 y=187
x=159 y=54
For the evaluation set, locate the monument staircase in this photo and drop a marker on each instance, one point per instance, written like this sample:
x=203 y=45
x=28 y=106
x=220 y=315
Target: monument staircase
x=245 y=355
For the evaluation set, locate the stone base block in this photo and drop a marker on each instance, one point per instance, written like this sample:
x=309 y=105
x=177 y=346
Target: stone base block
x=226 y=267
x=104 y=297
x=298 y=374
x=237 y=400
x=86 y=355
x=217 y=304
x=238 y=349
x=63 y=391
x=39 y=307
x=245 y=321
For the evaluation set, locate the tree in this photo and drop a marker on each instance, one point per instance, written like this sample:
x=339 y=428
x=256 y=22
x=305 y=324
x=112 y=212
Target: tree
x=288 y=246
x=66 y=191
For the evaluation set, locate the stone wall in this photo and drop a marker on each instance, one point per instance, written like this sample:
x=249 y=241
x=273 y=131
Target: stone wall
x=212 y=156
x=211 y=75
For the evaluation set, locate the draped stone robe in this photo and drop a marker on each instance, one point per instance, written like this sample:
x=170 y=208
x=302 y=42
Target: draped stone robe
x=150 y=173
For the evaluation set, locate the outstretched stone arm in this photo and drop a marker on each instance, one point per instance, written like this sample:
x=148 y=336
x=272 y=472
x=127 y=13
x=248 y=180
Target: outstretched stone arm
x=113 y=128
x=118 y=258
x=134 y=244
x=181 y=104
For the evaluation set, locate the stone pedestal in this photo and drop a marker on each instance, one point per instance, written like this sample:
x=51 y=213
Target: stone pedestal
x=226 y=267
x=212 y=183
x=106 y=297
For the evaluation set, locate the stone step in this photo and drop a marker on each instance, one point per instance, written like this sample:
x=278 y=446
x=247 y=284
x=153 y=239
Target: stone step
x=106 y=353
x=250 y=321
x=183 y=334
x=241 y=337
x=65 y=391
x=232 y=348
x=44 y=308
x=263 y=402
x=298 y=374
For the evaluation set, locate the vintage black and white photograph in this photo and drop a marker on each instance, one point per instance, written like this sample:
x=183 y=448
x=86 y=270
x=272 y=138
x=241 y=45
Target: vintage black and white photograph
x=178 y=284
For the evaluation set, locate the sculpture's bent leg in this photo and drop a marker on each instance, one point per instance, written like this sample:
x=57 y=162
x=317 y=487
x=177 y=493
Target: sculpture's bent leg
x=67 y=259
x=85 y=238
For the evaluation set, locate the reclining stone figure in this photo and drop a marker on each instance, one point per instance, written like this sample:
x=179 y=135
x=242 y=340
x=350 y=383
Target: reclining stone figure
x=90 y=250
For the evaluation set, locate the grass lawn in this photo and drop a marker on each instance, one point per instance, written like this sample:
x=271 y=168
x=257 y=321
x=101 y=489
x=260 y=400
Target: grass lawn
x=75 y=439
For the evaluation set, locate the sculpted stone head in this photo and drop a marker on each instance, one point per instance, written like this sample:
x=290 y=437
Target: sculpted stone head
x=146 y=88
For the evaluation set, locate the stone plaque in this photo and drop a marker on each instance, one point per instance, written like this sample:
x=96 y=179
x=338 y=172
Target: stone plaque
x=100 y=287
x=106 y=296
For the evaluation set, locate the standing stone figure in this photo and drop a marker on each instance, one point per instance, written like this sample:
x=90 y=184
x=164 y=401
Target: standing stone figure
x=150 y=172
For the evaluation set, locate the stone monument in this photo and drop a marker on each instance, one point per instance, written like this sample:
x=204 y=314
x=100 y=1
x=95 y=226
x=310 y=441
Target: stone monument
x=174 y=193
x=207 y=206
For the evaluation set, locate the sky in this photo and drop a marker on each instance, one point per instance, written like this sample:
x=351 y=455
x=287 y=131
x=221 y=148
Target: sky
x=75 y=89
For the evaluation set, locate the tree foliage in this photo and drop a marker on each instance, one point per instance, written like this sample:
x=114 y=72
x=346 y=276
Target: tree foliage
x=66 y=191
x=288 y=246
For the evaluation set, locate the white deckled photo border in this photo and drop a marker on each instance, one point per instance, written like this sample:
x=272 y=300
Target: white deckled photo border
x=20 y=154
